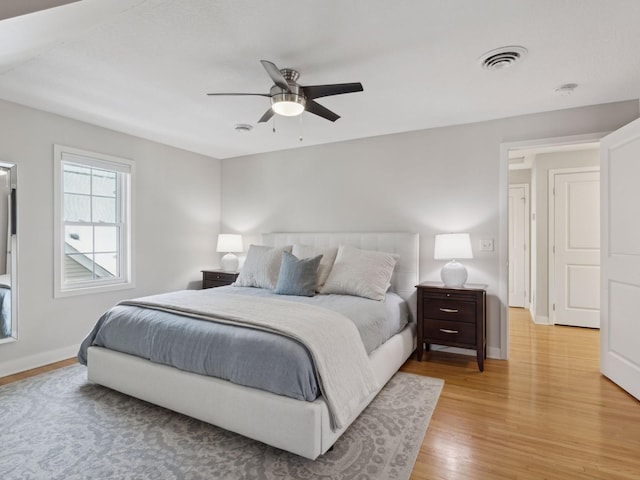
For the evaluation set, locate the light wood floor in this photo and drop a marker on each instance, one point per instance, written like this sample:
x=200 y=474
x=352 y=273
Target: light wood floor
x=547 y=413
x=36 y=371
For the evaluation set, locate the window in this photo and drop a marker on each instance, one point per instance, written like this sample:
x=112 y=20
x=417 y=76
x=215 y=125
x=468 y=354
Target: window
x=92 y=222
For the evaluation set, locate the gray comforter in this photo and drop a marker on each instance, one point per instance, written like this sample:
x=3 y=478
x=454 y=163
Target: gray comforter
x=244 y=356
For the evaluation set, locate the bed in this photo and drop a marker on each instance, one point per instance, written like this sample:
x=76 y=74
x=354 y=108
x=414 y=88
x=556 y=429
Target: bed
x=307 y=428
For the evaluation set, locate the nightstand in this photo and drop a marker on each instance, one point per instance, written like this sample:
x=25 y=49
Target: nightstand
x=453 y=317
x=217 y=278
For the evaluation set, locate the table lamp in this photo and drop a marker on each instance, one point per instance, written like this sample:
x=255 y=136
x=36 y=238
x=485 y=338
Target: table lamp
x=453 y=246
x=231 y=244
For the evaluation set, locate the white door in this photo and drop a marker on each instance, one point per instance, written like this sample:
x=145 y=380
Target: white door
x=620 y=259
x=575 y=253
x=518 y=250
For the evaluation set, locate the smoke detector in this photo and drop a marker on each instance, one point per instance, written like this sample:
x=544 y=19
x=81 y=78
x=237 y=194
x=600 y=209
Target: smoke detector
x=502 y=57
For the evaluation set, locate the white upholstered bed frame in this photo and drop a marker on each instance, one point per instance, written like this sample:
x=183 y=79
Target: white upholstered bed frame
x=296 y=426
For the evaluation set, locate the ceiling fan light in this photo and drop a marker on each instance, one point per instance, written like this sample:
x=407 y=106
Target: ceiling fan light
x=288 y=104
x=288 y=109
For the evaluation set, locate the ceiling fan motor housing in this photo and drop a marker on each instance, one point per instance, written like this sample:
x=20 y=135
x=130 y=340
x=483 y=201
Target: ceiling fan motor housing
x=290 y=75
x=288 y=103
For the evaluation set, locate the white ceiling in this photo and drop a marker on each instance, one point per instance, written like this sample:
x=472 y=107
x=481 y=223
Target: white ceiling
x=144 y=67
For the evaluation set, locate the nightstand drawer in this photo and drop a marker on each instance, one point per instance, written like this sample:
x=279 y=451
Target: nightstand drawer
x=448 y=309
x=450 y=332
x=213 y=279
x=221 y=277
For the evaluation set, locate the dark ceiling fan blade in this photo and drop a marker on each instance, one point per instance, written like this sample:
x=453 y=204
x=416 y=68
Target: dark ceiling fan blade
x=267 y=116
x=317 y=91
x=317 y=109
x=240 y=94
x=275 y=75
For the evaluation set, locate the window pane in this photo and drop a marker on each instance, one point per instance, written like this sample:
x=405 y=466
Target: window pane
x=78 y=239
x=92 y=221
x=106 y=239
x=106 y=265
x=104 y=209
x=77 y=179
x=104 y=183
x=78 y=268
x=77 y=208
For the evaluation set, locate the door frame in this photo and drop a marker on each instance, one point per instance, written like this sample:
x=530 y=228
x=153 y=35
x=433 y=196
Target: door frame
x=551 y=232
x=527 y=242
x=503 y=206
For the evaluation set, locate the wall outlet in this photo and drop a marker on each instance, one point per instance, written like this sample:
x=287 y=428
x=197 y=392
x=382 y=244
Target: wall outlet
x=486 y=245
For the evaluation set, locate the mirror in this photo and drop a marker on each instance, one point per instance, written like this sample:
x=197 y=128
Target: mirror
x=8 y=242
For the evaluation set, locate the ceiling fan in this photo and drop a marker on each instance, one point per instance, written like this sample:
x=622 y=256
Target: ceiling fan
x=290 y=99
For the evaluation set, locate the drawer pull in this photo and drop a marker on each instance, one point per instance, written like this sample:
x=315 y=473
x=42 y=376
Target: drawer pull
x=448 y=310
x=446 y=330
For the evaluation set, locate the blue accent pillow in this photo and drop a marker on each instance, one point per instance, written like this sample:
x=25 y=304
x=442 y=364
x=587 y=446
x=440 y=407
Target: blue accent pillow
x=297 y=276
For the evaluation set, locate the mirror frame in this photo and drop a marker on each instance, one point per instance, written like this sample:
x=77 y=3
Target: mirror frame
x=13 y=172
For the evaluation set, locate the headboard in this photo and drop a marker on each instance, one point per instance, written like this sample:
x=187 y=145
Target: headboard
x=405 y=275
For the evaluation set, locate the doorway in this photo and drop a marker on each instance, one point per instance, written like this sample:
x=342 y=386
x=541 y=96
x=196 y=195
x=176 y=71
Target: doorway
x=532 y=162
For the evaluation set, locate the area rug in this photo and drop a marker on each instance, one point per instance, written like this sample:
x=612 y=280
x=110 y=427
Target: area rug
x=59 y=426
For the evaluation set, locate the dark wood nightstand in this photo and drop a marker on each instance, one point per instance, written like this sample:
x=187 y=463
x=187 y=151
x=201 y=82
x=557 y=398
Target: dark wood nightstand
x=452 y=316
x=217 y=278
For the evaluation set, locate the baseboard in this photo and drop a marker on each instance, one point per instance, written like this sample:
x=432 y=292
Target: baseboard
x=495 y=353
x=541 y=320
x=38 y=360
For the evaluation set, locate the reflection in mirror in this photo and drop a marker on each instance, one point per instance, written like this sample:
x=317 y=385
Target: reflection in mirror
x=8 y=239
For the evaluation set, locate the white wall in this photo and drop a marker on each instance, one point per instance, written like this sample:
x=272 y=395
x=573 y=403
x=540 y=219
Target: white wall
x=542 y=164
x=429 y=181
x=176 y=220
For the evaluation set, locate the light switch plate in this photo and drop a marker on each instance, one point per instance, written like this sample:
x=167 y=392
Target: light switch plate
x=486 y=245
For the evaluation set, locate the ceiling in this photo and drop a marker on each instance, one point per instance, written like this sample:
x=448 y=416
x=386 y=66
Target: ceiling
x=144 y=67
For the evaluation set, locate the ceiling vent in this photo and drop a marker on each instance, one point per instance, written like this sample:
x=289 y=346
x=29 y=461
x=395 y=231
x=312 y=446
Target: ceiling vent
x=502 y=57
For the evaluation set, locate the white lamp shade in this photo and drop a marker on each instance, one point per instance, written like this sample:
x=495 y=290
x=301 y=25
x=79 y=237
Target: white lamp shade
x=451 y=246
x=228 y=242
x=288 y=109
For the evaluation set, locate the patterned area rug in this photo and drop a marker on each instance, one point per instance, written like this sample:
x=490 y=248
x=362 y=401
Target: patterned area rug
x=59 y=426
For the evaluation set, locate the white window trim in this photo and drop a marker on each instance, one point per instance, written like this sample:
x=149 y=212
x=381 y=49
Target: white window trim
x=108 y=162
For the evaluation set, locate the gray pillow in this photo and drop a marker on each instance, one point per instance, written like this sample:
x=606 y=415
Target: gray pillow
x=297 y=276
x=362 y=273
x=261 y=267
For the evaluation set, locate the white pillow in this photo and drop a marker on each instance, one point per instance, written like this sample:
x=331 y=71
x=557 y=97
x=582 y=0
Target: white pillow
x=261 y=267
x=363 y=273
x=328 y=257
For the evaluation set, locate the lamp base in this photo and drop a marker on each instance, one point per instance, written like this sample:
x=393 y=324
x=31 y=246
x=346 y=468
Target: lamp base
x=229 y=263
x=453 y=274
